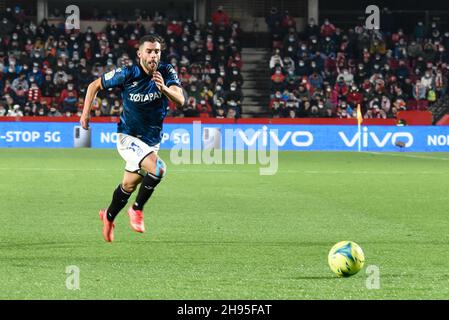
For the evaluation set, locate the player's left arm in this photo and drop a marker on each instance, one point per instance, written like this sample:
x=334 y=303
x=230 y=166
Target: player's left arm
x=173 y=91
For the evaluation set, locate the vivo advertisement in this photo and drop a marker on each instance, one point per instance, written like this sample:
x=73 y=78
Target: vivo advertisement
x=229 y=136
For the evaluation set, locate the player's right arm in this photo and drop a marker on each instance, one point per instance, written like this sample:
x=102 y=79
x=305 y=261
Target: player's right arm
x=91 y=93
x=112 y=79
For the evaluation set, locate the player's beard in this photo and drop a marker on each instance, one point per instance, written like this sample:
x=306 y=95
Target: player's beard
x=151 y=66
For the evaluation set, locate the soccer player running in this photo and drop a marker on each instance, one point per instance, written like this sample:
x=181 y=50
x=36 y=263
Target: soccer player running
x=146 y=88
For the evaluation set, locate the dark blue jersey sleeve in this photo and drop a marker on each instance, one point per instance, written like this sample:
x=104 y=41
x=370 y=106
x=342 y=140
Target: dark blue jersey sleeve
x=115 y=78
x=171 y=76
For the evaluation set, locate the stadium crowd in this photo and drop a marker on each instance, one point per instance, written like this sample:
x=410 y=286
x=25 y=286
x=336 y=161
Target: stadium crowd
x=45 y=69
x=325 y=71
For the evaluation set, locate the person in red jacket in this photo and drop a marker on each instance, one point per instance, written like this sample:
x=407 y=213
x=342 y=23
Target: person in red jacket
x=327 y=29
x=235 y=59
x=204 y=108
x=220 y=18
x=341 y=88
x=175 y=27
x=277 y=80
x=354 y=97
x=65 y=93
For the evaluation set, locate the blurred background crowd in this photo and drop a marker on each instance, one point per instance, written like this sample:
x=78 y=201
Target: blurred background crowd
x=45 y=69
x=317 y=71
x=325 y=71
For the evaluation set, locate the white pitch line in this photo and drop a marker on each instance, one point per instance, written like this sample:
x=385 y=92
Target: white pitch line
x=335 y=172
x=407 y=156
x=374 y=172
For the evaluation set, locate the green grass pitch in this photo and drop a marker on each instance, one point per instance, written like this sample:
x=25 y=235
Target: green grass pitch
x=224 y=231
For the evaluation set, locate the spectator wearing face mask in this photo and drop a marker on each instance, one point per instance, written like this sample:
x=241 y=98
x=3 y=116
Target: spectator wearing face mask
x=15 y=43
x=354 y=97
x=69 y=104
x=419 y=31
x=37 y=74
x=204 y=108
x=348 y=77
x=291 y=39
x=70 y=90
x=234 y=93
x=343 y=110
x=105 y=107
x=277 y=104
x=236 y=61
x=328 y=45
x=291 y=81
x=20 y=87
x=303 y=51
x=427 y=80
x=236 y=33
x=6 y=27
x=194 y=92
x=303 y=69
x=234 y=98
x=341 y=89
x=54 y=112
x=276 y=60
x=114 y=29
x=206 y=94
x=219 y=94
x=277 y=80
x=316 y=81
x=317 y=62
x=419 y=91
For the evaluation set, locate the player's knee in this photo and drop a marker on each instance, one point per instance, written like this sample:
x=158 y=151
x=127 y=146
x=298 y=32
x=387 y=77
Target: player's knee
x=128 y=186
x=161 y=168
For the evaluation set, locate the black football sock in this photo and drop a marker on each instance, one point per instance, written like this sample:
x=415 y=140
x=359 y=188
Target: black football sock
x=119 y=199
x=149 y=182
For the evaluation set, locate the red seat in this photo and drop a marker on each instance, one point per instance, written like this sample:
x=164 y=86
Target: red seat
x=423 y=105
x=48 y=100
x=411 y=104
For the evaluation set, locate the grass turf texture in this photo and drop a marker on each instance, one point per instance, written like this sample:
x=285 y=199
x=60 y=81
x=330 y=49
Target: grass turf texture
x=225 y=232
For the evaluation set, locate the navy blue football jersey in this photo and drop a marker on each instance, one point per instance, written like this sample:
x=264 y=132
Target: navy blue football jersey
x=144 y=106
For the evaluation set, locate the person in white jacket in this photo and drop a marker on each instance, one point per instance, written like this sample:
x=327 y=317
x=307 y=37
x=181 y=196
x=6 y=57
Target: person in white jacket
x=427 y=80
x=276 y=59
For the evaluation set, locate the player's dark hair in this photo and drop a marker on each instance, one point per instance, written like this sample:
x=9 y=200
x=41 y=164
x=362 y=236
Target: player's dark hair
x=152 y=38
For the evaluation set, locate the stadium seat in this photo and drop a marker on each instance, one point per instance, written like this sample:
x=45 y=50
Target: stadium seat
x=47 y=100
